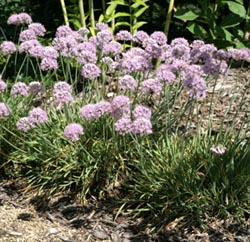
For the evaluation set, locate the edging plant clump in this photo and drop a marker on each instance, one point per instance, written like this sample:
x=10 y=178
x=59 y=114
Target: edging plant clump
x=89 y=113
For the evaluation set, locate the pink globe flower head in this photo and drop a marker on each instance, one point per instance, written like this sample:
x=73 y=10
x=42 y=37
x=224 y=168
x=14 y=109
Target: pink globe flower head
x=73 y=131
x=19 y=88
x=90 y=112
x=4 y=110
x=38 y=115
x=90 y=71
x=7 y=48
x=63 y=31
x=124 y=35
x=3 y=85
x=142 y=126
x=27 y=34
x=27 y=45
x=160 y=37
x=18 y=19
x=24 y=124
x=37 y=28
x=142 y=111
x=123 y=126
x=35 y=87
x=151 y=86
x=127 y=82
x=48 y=64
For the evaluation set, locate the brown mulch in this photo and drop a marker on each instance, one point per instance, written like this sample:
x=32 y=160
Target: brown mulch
x=24 y=217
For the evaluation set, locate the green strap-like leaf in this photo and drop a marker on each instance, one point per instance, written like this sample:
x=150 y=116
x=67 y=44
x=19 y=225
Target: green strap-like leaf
x=236 y=8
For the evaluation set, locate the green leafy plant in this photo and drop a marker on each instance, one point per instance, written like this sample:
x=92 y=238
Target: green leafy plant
x=219 y=22
x=128 y=18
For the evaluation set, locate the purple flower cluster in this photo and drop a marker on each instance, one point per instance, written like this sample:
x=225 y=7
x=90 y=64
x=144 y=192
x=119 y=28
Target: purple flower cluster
x=21 y=18
x=142 y=111
x=62 y=93
x=164 y=74
x=73 y=131
x=195 y=86
x=120 y=107
x=151 y=87
x=27 y=34
x=48 y=64
x=4 y=110
x=3 y=85
x=136 y=60
x=37 y=28
x=29 y=45
x=124 y=35
x=36 y=116
x=90 y=71
x=19 y=88
x=94 y=111
x=127 y=82
x=7 y=48
x=35 y=87
x=112 y=48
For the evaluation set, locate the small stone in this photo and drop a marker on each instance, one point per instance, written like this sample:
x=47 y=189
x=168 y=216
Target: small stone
x=100 y=234
x=115 y=237
x=53 y=230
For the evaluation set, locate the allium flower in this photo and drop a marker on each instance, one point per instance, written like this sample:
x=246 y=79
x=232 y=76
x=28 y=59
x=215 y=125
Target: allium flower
x=86 y=46
x=90 y=112
x=25 y=124
x=38 y=29
x=163 y=73
x=36 y=51
x=123 y=126
x=104 y=37
x=61 y=86
x=3 y=85
x=140 y=36
x=119 y=113
x=21 y=18
x=135 y=60
x=62 y=93
x=179 y=41
x=222 y=55
x=214 y=67
x=48 y=64
x=242 y=54
x=38 y=115
x=103 y=107
x=101 y=26
x=120 y=102
x=62 y=97
x=127 y=82
x=63 y=31
x=141 y=111
x=151 y=86
x=90 y=71
x=87 y=56
x=7 y=47
x=124 y=35
x=141 y=126
x=203 y=53
x=67 y=46
x=19 y=88
x=152 y=47
x=27 y=45
x=26 y=35
x=35 y=87
x=4 y=110
x=73 y=131
x=195 y=86
x=218 y=150
x=160 y=37
x=181 y=52
x=50 y=52
x=112 y=48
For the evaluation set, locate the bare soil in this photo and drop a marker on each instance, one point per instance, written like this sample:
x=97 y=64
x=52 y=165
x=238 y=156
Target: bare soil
x=24 y=217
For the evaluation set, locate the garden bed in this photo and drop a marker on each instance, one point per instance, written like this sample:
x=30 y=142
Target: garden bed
x=26 y=217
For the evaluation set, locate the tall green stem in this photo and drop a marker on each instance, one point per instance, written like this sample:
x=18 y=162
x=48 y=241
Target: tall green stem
x=65 y=15
x=82 y=14
x=91 y=14
x=103 y=6
x=169 y=15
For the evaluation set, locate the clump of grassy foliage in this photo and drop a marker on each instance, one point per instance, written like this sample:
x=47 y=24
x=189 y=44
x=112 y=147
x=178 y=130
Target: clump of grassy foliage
x=137 y=134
